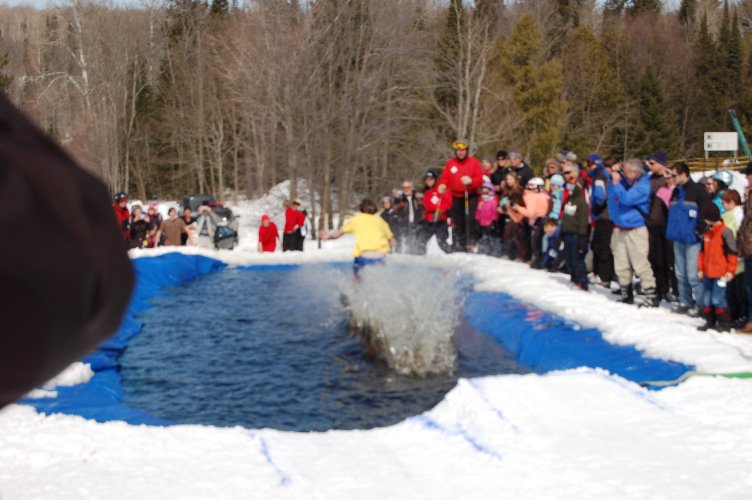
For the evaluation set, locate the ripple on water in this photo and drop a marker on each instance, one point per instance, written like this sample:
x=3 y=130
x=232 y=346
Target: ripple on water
x=271 y=348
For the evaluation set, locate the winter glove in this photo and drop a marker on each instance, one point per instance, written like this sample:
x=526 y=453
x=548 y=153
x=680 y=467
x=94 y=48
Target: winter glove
x=466 y=180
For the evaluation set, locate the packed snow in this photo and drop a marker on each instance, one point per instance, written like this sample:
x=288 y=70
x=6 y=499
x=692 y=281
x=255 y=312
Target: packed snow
x=580 y=433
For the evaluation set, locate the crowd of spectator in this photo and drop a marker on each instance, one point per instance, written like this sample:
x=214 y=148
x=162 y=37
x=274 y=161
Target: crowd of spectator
x=642 y=227
x=150 y=230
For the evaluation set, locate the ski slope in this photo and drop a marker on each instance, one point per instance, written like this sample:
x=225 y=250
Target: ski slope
x=580 y=433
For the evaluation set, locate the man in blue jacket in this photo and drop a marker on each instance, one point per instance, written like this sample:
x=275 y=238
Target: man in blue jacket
x=628 y=204
x=683 y=227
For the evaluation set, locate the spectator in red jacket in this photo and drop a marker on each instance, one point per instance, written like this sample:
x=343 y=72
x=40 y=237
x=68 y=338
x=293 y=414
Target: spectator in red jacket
x=462 y=176
x=294 y=219
x=268 y=235
x=122 y=215
x=436 y=207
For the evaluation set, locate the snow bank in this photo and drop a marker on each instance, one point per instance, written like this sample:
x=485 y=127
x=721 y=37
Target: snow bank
x=574 y=434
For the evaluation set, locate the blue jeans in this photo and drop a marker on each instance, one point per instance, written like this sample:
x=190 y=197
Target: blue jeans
x=691 y=290
x=715 y=295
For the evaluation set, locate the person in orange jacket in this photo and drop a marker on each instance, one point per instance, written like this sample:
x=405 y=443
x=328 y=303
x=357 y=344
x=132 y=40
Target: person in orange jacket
x=462 y=176
x=716 y=265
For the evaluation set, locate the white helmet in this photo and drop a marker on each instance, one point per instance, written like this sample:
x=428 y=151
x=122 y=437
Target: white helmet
x=535 y=183
x=724 y=176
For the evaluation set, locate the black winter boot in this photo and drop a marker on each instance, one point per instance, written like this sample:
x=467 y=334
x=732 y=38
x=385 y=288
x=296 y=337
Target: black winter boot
x=627 y=297
x=709 y=314
x=651 y=298
x=723 y=316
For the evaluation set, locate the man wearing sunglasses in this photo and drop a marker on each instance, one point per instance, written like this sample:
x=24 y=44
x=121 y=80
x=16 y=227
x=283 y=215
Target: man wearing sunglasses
x=661 y=255
x=462 y=176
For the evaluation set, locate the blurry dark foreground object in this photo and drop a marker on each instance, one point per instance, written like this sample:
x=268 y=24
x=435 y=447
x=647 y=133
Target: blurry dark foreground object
x=65 y=276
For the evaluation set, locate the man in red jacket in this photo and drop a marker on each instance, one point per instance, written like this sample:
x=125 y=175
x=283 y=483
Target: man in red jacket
x=122 y=215
x=294 y=219
x=436 y=209
x=462 y=176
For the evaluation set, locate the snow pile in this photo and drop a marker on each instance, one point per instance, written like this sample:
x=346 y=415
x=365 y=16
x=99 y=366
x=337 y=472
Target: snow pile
x=407 y=316
x=76 y=373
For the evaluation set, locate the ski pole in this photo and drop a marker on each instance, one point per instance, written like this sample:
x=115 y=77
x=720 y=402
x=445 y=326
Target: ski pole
x=467 y=219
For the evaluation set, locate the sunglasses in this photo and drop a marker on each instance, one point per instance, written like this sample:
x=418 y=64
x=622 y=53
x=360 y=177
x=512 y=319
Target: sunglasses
x=568 y=172
x=459 y=145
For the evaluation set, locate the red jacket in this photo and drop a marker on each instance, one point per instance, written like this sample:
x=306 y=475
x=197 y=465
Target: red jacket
x=123 y=217
x=455 y=169
x=433 y=201
x=293 y=218
x=718 y=255
x=268 y=237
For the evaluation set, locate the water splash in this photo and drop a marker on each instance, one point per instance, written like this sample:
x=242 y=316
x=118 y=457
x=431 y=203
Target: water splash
x=407 y=316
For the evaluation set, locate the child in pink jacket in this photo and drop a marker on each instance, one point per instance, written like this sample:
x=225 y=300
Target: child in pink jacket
x=487 y=217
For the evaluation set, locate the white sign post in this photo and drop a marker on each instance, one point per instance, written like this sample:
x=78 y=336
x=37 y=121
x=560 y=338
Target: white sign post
x=721 y=141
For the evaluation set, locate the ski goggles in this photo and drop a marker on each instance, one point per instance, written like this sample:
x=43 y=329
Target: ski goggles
x=459 y=145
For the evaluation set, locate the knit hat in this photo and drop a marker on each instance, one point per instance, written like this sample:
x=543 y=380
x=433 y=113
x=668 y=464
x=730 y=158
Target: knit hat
x=711 y=213
x=557 y=180
x=596 y=159
x=659 y=157
x=264 y=217
x=488 y=185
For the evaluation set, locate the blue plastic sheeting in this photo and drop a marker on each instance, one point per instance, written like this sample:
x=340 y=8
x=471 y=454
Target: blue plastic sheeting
x=543 y=342
x=100 y=398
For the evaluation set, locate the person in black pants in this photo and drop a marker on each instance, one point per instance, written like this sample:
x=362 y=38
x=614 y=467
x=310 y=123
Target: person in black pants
x=603 y=259
x=660 y=254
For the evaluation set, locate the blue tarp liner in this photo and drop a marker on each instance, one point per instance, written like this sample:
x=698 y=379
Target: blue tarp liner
x=543 y=342
x=539 y=341
x=100 y=398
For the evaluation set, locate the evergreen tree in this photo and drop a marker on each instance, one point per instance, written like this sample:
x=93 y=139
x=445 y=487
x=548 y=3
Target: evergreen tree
x=658 y=129
x=536 y=86
x=708 y=112
x=594 y=94
x=734 y=61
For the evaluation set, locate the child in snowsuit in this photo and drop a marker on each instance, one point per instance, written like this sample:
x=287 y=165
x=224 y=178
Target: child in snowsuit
x=552 y=257
x=716 y=265
x=487 y=218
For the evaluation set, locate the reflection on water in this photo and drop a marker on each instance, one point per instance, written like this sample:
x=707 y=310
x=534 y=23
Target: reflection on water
x=270 y=347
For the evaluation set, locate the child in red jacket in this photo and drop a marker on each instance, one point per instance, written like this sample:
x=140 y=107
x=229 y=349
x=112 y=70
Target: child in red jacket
x=716 y=265
x=268 y=235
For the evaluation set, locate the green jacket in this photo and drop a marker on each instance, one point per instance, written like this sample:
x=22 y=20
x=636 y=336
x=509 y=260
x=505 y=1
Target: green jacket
x=575 y=219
